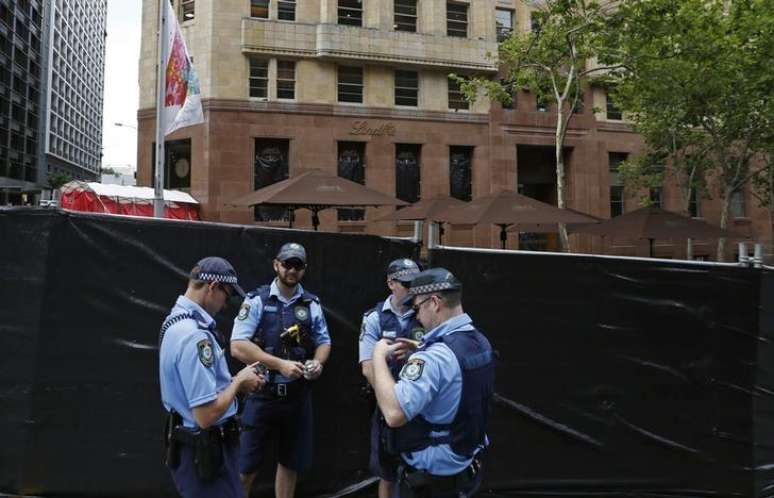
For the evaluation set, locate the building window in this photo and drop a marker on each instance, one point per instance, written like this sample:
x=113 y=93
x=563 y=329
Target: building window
x=351 y=165
x=407 y=88
x=350 y=84
x=271 y=166
x=456 y=20
x=177 y=163
x=259 y=9
x=456 y=98
x=541 y=103
x=187 y=9
x=694 y=206
x=460 y=172
x=286 y=10
x=738 y=207
x=405 y=13
x=614 y=160
x=286 y=80
x=351 y=12
x=504 y=23
x=407 y=172
x=657 y=197
x=259 y=78
x=613 y=112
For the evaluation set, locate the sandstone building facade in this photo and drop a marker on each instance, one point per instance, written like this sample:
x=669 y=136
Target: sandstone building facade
x=360 y=88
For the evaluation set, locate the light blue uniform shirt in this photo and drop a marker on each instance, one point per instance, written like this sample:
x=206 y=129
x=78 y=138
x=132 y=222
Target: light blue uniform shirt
x=186 y=380
x=245 y=328
x=435 y=394
x=371 y=330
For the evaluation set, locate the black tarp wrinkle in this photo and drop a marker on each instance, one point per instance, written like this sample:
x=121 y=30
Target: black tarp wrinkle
x=661 y=303
x=547 y=422
x=741 y=332
x=154 y=256
x=661 y=439
x=738 y=388
x=132 y=344
x=652 y=364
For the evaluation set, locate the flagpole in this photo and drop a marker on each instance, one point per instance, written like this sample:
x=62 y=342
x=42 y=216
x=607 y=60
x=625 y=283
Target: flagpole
x=161 y=88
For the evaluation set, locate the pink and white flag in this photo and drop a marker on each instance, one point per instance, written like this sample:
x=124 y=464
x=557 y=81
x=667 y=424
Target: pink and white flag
x=182 y=99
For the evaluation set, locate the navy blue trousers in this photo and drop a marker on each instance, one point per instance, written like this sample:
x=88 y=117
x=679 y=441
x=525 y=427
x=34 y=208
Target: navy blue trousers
x=225 y=485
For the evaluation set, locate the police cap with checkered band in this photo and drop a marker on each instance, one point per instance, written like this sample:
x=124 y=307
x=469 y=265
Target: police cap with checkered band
x=433 y=280
x=215 y=269
x=403 y=270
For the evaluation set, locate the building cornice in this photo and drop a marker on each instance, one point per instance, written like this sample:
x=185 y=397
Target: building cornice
x=332 y=110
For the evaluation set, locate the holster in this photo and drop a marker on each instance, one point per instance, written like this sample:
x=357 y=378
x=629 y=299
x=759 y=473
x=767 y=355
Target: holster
x=171 y=448
x=420 y=484
x=207 y=446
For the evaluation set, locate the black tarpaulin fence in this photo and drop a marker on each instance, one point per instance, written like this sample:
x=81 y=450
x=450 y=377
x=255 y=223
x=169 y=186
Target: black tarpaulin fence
x=616 y=377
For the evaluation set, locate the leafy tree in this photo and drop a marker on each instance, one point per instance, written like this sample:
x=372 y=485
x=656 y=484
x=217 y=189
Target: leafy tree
x=56 y=180
x=552 y=61
x=697 y=85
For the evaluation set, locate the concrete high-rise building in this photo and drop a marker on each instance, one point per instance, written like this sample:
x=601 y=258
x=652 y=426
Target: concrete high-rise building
x=51 y=91
x=361 y=88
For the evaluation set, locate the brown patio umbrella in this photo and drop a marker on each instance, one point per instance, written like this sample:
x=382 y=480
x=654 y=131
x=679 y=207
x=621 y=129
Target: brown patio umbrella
x=654 y=223
x=425 y=210
x=550 y=227
x=505 y=208
x=316 y=190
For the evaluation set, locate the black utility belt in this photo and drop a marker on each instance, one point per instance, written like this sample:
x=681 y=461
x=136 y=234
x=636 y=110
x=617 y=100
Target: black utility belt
x=282 y=390
x=417 y=479
x=227 y=432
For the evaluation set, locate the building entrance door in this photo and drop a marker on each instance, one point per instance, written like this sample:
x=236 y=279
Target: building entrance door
x=536 y=176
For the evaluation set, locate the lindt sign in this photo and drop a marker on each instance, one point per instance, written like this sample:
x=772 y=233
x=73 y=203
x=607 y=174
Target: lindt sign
x=365 y=128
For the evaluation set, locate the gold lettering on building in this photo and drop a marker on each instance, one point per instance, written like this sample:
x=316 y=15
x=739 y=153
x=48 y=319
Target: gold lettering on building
x=364 y=128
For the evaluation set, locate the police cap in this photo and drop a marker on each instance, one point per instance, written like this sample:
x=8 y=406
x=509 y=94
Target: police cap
x=433 y=280
x=292 y=250
x=403 y=270
x=215 y=269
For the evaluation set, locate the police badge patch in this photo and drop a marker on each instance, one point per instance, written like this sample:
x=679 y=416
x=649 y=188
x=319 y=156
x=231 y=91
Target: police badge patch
x=413 y=369
x=418 y=333
x=206 y=355
x=243 y=311
x=302 y=313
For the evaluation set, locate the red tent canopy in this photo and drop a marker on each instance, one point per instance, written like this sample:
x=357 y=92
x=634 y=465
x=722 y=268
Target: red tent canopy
x=119 y=199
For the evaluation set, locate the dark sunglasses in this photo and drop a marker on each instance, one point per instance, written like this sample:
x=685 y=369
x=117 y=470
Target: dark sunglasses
x=418 y=305
x=293 y=264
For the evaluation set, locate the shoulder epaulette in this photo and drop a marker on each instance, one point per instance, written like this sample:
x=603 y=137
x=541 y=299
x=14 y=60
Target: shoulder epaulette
x=173 y=320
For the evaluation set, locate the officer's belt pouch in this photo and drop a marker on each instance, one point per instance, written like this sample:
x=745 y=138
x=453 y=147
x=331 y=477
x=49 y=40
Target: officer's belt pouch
x=207 y=450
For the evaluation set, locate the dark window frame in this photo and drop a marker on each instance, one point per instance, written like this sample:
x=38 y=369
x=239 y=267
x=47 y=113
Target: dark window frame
x=404 y=93
x=405 y=15
x=455 y=96
x=259 y=6
x=457 y=20
x=286 y=86
x=252 y=80
x=613 y=113
x=504 y=32
x=350 y=12
x=286 y=10
x=402 y=148
x=187 y=10
x=347 y=85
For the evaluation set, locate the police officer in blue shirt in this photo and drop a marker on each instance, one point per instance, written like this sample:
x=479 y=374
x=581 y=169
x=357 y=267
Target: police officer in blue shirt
x=197 y=389
x=282 y=326
x=389 y=319
x=437 y=411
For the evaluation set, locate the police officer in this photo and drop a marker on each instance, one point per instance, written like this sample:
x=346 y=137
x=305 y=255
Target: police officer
x=389 y=319
x=197 y=390
x=282 y=326
x=437 y=411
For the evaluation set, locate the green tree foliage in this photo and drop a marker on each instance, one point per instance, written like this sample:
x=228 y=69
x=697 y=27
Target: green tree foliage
x=552 y=62
x=697 y=86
